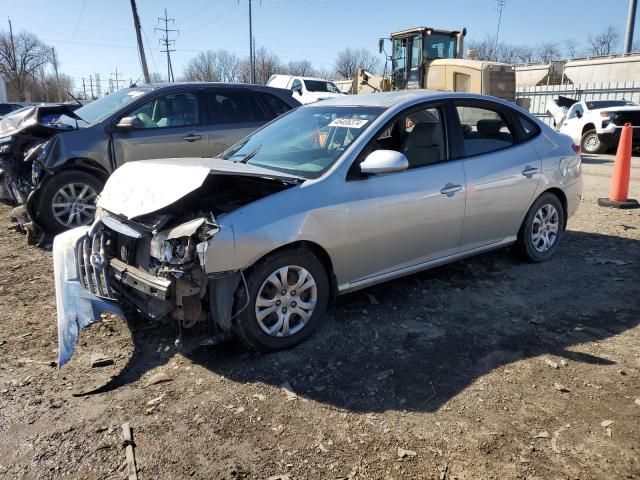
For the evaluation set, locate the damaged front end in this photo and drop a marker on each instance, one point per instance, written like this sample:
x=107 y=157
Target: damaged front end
x=148 y=246
x=97 y=269
x=25 y=136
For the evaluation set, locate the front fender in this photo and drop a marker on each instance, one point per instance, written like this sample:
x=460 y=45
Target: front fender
x=77 y=308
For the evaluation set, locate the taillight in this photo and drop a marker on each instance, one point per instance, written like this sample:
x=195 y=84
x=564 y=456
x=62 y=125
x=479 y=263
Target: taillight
x=576 y=148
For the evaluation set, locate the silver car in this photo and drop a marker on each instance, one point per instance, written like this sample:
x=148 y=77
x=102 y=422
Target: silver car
x=329 y=198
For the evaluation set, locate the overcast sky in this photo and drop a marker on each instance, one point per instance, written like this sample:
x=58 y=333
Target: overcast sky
x=92 y=36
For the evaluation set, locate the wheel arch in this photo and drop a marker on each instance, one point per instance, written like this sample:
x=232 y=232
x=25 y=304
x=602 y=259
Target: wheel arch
x=86 y=165
x=563 y=200
x=319 y=252
x=587 y=127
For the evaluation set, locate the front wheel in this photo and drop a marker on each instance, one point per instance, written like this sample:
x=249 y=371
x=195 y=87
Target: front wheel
x=591 y=143
x=541 y=229
x=288 y=295
x=68 y=200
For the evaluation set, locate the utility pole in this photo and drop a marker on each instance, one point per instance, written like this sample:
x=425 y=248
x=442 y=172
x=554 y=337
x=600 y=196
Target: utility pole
x=91 y=86
x=84 y=89
x=116 y=81
x=166 y=42
x=631 y=20
x=143 y=59
x=98 y=86
x=252 y=76
x=501 y=4
x=55 y=68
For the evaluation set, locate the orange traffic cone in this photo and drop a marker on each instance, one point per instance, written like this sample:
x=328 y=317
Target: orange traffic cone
x=621 y=174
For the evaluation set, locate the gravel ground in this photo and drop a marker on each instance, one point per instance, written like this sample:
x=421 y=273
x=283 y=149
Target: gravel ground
x=486 y=368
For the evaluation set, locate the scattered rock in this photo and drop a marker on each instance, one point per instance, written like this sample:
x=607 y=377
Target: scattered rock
x=607 y=423
x=286 y=386
x=402 y=453
x=259 y=396
x=561 y=388
x=551 y=363
x=156 y=378
x=637 y=401
x=323 y=448
x=544 y=434
x=100 y=360
x=280 y=477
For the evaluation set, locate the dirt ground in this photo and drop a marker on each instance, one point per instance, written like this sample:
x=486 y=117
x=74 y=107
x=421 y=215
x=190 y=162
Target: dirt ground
x=484 y=369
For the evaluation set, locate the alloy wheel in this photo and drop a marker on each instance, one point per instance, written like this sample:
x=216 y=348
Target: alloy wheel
x=74 y=205
x=545 y=228
x=286 y=301
x=592 y=143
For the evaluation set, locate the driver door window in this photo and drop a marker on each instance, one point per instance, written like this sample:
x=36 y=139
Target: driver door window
x=173 y=110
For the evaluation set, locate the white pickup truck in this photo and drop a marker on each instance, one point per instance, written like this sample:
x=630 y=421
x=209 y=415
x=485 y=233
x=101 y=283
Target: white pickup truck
x=595 y=124
x=308 y=89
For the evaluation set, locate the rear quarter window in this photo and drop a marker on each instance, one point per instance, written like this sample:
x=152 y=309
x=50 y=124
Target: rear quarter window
x=528 y=127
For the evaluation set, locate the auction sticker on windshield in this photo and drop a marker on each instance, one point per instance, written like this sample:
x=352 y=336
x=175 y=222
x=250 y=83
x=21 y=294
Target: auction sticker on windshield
x=348 y=122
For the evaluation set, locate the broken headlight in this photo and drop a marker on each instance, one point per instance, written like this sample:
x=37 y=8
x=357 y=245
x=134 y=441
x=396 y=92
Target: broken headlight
x=177 y=245
x=175 y=251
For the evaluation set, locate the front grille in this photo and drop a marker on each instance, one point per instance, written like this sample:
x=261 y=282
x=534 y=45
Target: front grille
x=632 y=117
x=92 y=263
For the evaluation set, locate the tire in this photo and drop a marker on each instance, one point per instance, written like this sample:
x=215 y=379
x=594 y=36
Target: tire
x=247 y=325
x=537 y=226
x=52 y=216
x=591 y=144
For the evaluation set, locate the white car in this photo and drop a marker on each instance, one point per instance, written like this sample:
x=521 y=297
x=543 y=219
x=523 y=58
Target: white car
x=596 y=124
x=308 y=89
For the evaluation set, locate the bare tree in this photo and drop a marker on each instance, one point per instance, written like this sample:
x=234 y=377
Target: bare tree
x=304 y=68
x=21 y=56
x=350 y=60
x=571 y=47
x=525 y=54
x=548 y=51
x=155 y=77
x=213 y=66
x=325 y=73
x=604 y=43
x=267 y=64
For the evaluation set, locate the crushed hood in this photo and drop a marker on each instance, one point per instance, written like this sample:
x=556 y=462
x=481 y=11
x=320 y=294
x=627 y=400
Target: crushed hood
x=142 y=187
x=40 y=116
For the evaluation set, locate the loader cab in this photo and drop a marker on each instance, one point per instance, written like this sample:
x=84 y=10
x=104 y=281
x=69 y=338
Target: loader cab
x=411 y=49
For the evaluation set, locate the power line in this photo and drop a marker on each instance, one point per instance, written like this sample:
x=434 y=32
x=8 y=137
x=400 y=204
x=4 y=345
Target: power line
x=75 y=27
x=166 y=42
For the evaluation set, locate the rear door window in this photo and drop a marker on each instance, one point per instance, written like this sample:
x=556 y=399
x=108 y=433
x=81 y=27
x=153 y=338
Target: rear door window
x=274 y=105
x=234 y=107
x=484 y=130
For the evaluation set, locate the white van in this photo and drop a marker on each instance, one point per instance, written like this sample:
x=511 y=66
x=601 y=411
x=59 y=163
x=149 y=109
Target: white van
x=308 y=89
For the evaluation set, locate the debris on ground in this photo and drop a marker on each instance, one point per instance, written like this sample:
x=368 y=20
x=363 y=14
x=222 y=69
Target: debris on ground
x=156 y=378
x=288 y=391
x=561 y=388
x=130 y=454
x=403 y=453
x=544 y=434
x=551 y=363
x=100 y=360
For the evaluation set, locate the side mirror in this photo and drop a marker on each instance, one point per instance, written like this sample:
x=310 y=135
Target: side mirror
x=384 y=161
x=129 y=123
x=297 y=88
x=578 y=114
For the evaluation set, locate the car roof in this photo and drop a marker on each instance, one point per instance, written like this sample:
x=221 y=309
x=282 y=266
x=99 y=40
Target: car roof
x=383 y=99
x=181 y=85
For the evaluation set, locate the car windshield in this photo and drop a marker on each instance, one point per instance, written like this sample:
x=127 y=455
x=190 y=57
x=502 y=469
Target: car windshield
x=305 y=142
x=100 y=109
x=321 y=86
x=609 y=103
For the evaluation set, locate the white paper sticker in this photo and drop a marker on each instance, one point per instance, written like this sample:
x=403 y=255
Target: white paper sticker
x=348 y=122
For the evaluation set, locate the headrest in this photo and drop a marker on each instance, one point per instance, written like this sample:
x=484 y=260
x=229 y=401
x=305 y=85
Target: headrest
x=489 y=127
x=426 y=134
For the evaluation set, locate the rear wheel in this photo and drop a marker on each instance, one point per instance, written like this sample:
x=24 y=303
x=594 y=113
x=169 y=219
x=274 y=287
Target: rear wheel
x=542 y=229
x=68 y=200
x=288 y=294
x=591 y=143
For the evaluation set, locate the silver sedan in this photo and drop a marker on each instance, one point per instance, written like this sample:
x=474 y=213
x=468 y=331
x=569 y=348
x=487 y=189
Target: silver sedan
x=329 y=198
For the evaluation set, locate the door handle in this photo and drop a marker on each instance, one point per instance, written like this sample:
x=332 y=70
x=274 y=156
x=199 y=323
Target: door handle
x=529 y=171
x=450 y=189
x=192 y=137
